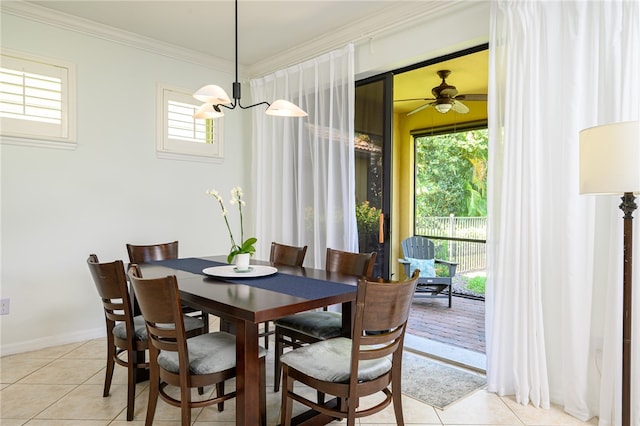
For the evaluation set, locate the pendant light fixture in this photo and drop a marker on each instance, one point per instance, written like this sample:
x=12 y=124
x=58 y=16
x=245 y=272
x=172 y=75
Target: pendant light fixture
x=215 y=97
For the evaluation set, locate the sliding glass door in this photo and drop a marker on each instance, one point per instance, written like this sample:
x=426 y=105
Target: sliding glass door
x=373 y=115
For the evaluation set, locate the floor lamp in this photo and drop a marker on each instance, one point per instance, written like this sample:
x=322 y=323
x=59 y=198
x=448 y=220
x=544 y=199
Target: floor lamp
x=610 y=164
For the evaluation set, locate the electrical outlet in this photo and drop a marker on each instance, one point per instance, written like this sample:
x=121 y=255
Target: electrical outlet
x=4 y=306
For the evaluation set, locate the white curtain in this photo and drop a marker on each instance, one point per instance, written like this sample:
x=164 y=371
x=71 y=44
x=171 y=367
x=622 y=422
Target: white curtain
x=554 y=296
x=304 y=167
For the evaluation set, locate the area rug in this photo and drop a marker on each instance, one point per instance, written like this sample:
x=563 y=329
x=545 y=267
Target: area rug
x=434 y=383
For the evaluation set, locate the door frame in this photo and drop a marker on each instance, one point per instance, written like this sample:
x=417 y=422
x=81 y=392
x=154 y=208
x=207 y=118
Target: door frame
x=387 y=161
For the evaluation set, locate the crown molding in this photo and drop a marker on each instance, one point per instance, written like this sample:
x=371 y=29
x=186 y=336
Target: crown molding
x=391 y=20
x=105 y=32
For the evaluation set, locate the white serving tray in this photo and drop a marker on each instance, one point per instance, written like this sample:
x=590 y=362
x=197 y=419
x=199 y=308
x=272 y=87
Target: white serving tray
x=229 y=271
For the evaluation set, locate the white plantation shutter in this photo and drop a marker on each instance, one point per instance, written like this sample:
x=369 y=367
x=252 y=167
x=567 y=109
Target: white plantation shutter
x=36 y=98
x=182 y=126
x=183 y=136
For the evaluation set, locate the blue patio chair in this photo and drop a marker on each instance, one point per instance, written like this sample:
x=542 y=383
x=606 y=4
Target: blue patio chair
x=419 y=253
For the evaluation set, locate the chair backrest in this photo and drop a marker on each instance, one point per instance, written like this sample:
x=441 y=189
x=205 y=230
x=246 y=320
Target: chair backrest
x=149 y=253
x=111 y=283
x=382 y=312
x=159 y=300
x=418 y=247
x=345 y=262
x=282 y=254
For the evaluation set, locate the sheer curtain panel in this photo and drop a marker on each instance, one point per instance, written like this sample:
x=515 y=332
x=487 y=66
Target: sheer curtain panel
x=304 y=167
x=554 y=297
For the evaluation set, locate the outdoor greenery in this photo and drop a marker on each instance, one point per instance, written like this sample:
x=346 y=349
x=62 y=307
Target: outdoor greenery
x=477 y=284
x=451 y=174
x=367 y=218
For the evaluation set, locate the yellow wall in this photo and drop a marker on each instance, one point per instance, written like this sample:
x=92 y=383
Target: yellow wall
x=403 y=176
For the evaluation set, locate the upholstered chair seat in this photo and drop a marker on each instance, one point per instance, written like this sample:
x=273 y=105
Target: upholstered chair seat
x=191 y=324
x=320 y=324
x=208 y=353
x=330 y=361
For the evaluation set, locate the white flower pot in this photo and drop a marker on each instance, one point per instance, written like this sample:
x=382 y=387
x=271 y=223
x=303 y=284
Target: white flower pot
x=242 y=261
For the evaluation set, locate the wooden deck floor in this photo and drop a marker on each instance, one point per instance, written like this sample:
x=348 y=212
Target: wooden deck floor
x=462 y=325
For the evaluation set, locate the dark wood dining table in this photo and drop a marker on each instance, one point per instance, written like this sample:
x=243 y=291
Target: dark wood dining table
x=247 y=302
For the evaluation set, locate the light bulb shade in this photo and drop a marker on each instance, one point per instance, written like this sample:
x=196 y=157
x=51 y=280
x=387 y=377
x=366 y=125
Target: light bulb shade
x=284 y=108
x=207 y=111
x=212 y=94
x=610 y=158
x=443 y=107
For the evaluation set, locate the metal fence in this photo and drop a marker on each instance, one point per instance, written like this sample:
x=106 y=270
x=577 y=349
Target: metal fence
x=458 y=239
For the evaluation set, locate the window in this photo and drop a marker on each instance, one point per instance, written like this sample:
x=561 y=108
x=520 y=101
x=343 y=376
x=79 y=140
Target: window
x=182 y=136
x=37 y=100
x=451 y=174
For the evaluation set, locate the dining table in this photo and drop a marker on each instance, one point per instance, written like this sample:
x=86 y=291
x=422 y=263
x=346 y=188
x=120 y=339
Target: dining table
x=245 y=300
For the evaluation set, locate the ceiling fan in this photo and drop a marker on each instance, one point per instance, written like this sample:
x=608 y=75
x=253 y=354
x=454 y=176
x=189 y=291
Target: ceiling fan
x=446 y=98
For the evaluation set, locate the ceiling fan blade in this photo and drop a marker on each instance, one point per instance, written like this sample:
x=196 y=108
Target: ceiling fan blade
x=420 y=108
x=459 y=107
x=472 y=97
x=414 y=99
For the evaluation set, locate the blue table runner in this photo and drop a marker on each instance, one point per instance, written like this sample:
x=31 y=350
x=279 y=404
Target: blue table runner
x=293 y=285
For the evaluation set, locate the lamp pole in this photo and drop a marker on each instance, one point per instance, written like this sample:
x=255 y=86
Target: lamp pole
x=628 y=206
x=609 y=165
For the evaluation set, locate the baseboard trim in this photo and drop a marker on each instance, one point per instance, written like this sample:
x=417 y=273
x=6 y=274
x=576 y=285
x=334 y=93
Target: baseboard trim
x=49 y=341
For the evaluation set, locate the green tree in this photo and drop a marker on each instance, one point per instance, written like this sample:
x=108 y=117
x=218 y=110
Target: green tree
x=451 y=174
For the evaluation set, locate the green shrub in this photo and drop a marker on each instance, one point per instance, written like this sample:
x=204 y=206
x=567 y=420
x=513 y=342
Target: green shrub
x=442 y=270
x=477 y=284
x=367 y=218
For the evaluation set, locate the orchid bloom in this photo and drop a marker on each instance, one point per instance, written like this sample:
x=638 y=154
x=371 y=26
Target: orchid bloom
x=236 y=198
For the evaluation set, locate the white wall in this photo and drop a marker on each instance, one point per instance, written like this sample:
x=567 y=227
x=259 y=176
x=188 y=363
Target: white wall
x=59 y=206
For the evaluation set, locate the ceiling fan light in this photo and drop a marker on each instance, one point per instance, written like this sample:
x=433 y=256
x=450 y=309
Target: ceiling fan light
x=284 y=108
x=443 y=107
x=212 y=94
x=208 y=111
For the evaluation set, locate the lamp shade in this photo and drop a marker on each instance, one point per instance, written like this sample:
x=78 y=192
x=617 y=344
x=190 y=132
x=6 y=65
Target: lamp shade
x=212 y=94
x=284 y=108
x=207 y=111
x=610 y=158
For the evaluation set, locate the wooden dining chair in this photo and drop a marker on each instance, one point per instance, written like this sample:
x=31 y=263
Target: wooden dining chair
x=152 y=252
x=282 y=254
x=126 y=334
x=163 y=251
x=353 y=368
x=187 y=363
x=309 y=327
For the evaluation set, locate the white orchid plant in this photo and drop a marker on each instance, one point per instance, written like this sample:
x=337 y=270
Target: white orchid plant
x=245 y=246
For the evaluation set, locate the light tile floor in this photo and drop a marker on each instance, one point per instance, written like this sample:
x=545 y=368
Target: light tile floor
x=62 y=385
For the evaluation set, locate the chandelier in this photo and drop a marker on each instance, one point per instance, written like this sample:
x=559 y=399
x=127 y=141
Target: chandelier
x=215 y=97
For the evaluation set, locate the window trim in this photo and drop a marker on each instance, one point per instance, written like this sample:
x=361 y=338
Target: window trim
x=168 y=148
x=23 y=137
